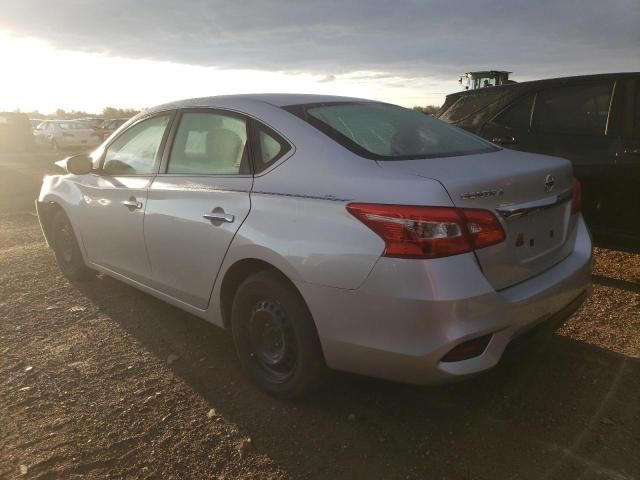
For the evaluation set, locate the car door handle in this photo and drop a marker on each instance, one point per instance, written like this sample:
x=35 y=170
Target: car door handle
x=505 y=140
x=219 y=216
x=132 y=203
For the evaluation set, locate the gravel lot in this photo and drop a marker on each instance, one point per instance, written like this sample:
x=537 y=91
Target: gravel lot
x=101 y=381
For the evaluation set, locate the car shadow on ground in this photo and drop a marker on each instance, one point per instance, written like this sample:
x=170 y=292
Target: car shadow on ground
x=547 y=413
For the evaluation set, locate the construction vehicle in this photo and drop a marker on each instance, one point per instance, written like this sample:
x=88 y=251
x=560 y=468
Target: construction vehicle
x=486 y=78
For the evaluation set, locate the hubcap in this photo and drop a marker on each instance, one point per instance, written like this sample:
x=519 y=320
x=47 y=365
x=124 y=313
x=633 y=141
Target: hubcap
x=271 y=335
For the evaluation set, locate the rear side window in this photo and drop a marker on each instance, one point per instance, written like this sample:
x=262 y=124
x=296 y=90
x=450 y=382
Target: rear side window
x=469 y=104
x=209 y=143
x=387 y=132
x=517 y=116
x=269 y=146
x=576 y=110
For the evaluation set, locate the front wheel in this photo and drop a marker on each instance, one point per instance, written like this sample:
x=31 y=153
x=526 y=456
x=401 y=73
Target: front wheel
x=275 y=337
x=66 y=249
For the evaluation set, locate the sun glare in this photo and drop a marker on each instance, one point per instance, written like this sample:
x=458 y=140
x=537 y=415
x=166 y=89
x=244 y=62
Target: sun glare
x=37 y=76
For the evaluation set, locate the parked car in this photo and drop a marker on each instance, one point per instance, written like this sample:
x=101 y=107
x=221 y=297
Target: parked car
x=593 y=120
x=15 y=132
x=66 y=134
x=327 y=232
x=110 y=125
x=93 y=122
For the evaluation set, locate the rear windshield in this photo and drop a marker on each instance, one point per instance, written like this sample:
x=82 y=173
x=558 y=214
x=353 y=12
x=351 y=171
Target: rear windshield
x=387 y=132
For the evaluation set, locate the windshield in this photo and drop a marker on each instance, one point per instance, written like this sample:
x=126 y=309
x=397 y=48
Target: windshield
x=79 y=125
x=387 y=132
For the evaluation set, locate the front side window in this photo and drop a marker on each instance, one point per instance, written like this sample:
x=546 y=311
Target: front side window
x=517 y=116
x=134 y=152
x=574 y=110
x=387 y=132
x=210 y=143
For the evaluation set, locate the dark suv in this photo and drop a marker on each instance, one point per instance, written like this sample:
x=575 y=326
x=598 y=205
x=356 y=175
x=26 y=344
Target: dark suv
x=592 y=120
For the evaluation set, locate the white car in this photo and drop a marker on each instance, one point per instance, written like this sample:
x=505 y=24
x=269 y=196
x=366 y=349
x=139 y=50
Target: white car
x=328 y=232
x=66 y=134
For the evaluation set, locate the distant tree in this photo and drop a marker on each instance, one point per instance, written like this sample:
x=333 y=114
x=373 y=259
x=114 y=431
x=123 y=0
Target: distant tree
x=428 y=110
x=111 y=112
x=62 y=114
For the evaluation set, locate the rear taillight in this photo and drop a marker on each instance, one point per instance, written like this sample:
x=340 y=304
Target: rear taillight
x=576 y=197
x=429 y=232
x=67 y=135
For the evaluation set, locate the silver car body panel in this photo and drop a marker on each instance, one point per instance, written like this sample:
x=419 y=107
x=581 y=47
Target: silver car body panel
x=386 y=317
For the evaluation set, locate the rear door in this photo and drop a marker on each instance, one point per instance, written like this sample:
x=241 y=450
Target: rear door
x=197 y=203
x=626 y=203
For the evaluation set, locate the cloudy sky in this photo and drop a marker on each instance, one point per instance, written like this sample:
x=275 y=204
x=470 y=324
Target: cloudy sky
x=85 y=54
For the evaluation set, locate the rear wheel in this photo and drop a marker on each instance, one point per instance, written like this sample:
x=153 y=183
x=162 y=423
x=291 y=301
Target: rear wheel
x=275 y=336
x=66 y=249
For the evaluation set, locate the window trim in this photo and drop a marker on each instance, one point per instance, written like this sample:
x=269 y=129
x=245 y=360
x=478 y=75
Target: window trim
x=159 y=153
x=300 y=111
x=611 y=83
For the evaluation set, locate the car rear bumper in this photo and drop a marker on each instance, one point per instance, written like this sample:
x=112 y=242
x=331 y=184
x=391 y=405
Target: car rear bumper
x=409 y=313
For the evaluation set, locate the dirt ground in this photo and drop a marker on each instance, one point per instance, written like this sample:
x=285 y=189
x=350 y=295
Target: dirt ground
x=101 y=381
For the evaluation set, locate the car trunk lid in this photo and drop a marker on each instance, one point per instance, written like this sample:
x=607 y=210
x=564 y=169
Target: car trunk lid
x=531 y=196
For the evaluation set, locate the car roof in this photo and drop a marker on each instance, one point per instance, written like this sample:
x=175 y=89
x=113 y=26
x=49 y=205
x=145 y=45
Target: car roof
x=274 y=99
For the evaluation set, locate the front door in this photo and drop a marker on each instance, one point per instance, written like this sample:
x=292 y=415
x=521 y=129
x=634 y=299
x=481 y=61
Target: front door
x=197 y=203
x=111 y=220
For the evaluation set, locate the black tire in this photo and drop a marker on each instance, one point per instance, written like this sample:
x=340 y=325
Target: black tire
x=275 y=337
x=65 y=246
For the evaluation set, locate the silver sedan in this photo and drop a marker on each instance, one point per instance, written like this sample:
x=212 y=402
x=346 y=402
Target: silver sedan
x=327 y=233
x=64 y=134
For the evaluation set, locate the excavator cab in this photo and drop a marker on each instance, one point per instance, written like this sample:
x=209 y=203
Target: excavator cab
x=488 y=78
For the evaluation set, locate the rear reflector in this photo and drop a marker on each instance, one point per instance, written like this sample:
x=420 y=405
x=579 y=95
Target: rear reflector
x=466 y=350
x=576 y=196
x=429 y=232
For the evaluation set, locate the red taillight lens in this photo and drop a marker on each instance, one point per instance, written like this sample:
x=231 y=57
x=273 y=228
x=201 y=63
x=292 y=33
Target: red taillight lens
x=468 y=349
x=484 y=227
x=429 y=232
x=576 y=197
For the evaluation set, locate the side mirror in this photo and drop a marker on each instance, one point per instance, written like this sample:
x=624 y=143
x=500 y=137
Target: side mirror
x=80 y=164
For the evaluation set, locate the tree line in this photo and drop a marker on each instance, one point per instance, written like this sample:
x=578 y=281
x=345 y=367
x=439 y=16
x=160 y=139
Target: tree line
x=112 y=112
x=107 y=112
x=428 y=110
